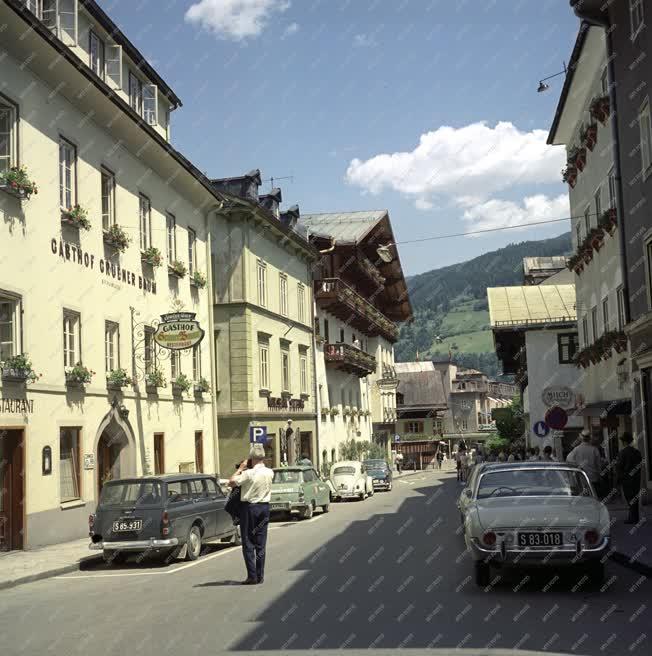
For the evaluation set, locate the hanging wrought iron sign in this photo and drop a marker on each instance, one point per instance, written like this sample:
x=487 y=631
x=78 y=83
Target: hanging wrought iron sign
x=178 y=331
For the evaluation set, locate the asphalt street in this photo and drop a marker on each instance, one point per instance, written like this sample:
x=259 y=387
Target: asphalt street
x=389 y=572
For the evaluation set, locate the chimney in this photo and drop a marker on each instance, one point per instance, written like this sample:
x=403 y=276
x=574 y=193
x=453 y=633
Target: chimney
x=244 y=186
x=290 y=217
x=272 y=201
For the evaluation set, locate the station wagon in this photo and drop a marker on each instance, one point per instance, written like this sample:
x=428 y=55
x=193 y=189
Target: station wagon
x=298 y=489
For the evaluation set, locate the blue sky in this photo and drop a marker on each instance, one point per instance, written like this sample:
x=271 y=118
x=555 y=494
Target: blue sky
x=425 y=107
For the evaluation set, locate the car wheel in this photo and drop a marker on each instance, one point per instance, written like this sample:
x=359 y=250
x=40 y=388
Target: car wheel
x=363 y=496
x=114 y=557
x=194 y=543
x=325 y=508
x=389 y=487
x=595 y=572
x=372 y=492
x=482 y=573
x=306 y=513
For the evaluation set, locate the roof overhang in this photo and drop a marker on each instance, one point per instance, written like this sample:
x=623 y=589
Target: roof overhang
x=604 y=409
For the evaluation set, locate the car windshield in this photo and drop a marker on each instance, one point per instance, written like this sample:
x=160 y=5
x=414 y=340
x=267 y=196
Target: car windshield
x=131 y=493
x=534 y=482
x=375 y=464
x=287 y=476
x=343 y=470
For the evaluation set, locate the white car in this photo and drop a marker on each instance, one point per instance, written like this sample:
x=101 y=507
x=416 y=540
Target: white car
x=350 y=480
x=535 y=513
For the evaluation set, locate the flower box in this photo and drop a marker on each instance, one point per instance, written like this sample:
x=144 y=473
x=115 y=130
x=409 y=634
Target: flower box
x=16 y=183
x=76 y=216
x=181 y=384
x=589 y=136
x=152 y=256
x=117 y=379
x=79 y=375
x=154 y=380
x=580 y=159
x=325 y=411
x=201 y=387
x=18 y=369
x=600 y=108
x=569 y=175
x=117 y=238
x=177 y=269
x=335 y=411
x=347 y=411
x=198 y=279
x=609 y=220
x=596 y=238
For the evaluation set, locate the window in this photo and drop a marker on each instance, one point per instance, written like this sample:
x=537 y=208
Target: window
x=598 y=204
x=171 y=229
x=648 y=253
x=67 y=174
x=612 y=188
x=159 y=453
x=578 y=232
x=96 y=54
x=114 y=65
x=199 y=451
x=645 y=132
x=605 y=315
x=439 y=426
x=567 y=347
x=178 y=491
x=636 y=16
x=145 y=213
x=108 y=199
x=150 y=103
x=587 y=219
x=301 y=300
x=303 y=367
x=326 y=333
x=285 y=370
x=283 y=294
x=620 y=301
x=192 y=251
x=263 y=359
x=111 y=346
x=135 y=93
x=8 y=135
x=9 y=327
x=594 y=322
x=465 y=424
x=69 y=464
x=341 y=335
x=604 y=81
x=196 y=362
x=150 y=352
x=414 y=427
x=71 y=340
x=262 y=283
x=175 y=364
x=585 y=331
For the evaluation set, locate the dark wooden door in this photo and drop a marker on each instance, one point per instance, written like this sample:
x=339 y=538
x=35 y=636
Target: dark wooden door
x=12 y=475
x=108 y=455
x=199 y=452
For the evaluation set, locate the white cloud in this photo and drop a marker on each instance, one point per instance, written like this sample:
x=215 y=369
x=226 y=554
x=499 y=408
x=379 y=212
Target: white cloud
x=291 y=29
x=235 y=19
x=496 y=213
x=476 y=158
x=364 y=41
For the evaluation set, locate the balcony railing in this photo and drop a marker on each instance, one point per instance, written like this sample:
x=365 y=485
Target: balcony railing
x=346 y=304
x=349 y=358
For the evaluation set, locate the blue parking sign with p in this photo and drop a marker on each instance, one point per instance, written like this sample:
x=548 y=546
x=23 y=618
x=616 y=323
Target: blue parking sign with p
x=258 y=434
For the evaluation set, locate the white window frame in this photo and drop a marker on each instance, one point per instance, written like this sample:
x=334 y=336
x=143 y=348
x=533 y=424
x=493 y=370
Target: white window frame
x=149 y=350
x=171 y=236
x=612 y=188
x=587 y=219
x=261 y=279
x=113 y=64
x=71 y=338
x=135 y=93
x=263 y=363
x=285 y=370
x=67 y=21
x=149 y=93
x=597 y=200
x=111 y=346
x=301 y=303
x=144 y=221
x=11 y=157
x=175 y=365
x=12 y=346
x=97 y=54
x=620 y=303
x=74 y=479
x=645 y=136
x=648 y=263
x=585 y=330
x=192 y=251
x=605 y=314
x=196 y=362
x=283 y=294
x=67 y=174
x=578 y=232
x=594 y=322
x=108 y=193
x=604 y=81
x=303 y=372
x=636 y=17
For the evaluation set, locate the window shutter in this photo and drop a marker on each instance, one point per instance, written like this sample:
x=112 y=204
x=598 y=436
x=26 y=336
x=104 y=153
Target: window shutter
x=50 y=14
x=67 y=12
x=114 y=64
x=150 y=103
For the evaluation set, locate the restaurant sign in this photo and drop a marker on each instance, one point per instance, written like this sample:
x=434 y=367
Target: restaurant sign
x=16 y=406
x=178 y=331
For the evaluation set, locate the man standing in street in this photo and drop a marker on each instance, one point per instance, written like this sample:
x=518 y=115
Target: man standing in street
x=255 y=482
x=628 y=468
x=587 y=456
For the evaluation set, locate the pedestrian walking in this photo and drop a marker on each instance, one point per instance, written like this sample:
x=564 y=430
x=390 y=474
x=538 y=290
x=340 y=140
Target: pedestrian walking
x=440 y=459
x=399 y=462
x=255 y=482
x=628 y=469
x=465 y=463
x=458 y=464
x=587 y=456
x=511 y=457
x=501 y=456
x=547 y=454
x=304 y=460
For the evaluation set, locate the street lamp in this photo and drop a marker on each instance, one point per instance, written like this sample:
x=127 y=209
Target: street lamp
x=542 y=84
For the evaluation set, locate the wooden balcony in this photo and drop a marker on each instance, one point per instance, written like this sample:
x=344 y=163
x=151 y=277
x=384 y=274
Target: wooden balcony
x=350 y=359
x=334 y=295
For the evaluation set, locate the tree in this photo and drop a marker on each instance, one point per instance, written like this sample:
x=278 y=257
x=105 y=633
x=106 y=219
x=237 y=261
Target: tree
x=354 y=450
x=509 y=422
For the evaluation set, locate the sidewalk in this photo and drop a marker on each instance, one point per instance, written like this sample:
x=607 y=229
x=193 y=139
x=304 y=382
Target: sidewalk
x=632 y=545
x=18 y=567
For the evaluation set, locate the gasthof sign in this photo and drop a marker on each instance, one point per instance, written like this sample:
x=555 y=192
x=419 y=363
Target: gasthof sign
x=563 y=397
x=178 y=331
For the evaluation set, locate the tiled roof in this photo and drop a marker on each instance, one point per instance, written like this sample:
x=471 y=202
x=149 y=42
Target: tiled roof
x=531 y=305
x=342 y=226
x=420 y=384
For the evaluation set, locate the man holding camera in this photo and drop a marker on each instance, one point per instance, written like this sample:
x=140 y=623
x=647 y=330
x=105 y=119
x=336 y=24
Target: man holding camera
x=255 y=482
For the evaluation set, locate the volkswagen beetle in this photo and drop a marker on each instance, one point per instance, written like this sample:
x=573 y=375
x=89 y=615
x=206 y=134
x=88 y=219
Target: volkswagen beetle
x=351 y=481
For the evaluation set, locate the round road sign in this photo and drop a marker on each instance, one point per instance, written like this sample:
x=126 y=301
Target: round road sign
x=556 y=418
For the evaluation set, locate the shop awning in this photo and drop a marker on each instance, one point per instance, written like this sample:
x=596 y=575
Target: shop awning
x=607 y=408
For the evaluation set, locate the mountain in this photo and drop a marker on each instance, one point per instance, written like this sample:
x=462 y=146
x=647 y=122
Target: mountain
x=450 y=304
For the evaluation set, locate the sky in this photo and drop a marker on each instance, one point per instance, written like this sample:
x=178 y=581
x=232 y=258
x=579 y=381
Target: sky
x=427 y=108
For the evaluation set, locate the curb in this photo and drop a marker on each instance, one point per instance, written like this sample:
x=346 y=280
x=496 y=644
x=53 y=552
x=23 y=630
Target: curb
x=50 y=573
x=635 y=565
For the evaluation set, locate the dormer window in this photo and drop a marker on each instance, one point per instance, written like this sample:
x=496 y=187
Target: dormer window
x=96 y=55
x=60 y=16
x=143 y=99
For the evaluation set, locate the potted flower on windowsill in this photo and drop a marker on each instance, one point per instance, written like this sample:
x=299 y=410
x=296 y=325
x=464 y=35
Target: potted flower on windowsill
x=354 y=412
x=619 y=341
x=346 y=412
x=116 y=237
x=608 y=220
x=600 y=108
x=18 y=369
x=325 y=410
x=596 y=238
x=198 y=279
x=586 y=251
x=76 y=216
x=152 y=256
x=177 y=269
x=582 y=358
x=334 y=411
x=181 y=384
x=79 y=375
x=154 y=380
x=117 y=379
x=569 y=175
x=16 y=182
x=202 y=387
x=589 y=136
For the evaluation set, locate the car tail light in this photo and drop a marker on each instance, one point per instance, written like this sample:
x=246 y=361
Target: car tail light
x=591 y=536
x=165 y=522
x=489 y=538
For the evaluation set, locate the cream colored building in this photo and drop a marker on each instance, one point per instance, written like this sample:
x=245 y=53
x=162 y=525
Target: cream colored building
x=263 y=325
x=89 y=119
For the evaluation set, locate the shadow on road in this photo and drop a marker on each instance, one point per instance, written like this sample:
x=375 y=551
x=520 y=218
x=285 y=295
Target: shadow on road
x=404 y=580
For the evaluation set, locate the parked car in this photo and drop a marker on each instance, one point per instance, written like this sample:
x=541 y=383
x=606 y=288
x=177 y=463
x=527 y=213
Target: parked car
x=380 y=472
x=535 y=513
x=467 y=495
x=350 y=480
x=170 y=515
x=298 y=489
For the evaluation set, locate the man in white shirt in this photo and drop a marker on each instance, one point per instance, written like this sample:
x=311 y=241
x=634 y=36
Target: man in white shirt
x=587 y=456
x=255 y=483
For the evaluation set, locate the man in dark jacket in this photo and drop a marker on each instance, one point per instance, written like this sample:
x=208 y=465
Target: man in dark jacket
x=628 y=468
